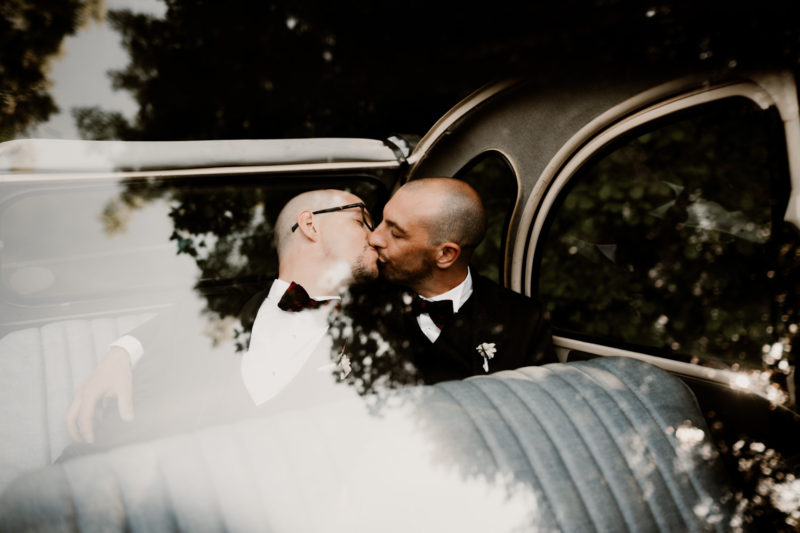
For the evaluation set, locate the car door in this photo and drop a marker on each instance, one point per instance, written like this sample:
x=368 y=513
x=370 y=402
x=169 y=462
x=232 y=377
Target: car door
x=656 y=219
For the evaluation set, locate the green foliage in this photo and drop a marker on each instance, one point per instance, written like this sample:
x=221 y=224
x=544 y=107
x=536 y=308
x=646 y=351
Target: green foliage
x=668 y=240
x=30 y=36
x=226 y=227
x=97 y=125
x=243 y=69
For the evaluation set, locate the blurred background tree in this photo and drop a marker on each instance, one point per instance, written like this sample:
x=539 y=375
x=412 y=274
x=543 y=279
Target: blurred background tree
x=31 y=33
x=242 y=69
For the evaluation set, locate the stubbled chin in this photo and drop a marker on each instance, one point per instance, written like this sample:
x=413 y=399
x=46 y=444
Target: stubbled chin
x=337 y=274
x=386 y=271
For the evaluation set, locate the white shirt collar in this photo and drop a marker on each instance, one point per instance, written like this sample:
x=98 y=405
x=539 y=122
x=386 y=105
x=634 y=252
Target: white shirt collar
x=280 y=344
x=458 y=294
x=276 y=291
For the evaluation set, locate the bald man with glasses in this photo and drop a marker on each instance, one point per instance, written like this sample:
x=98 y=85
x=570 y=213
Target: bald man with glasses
x=322 y=243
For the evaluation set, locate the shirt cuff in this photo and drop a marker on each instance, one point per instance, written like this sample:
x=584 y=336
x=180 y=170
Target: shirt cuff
x=131 y=345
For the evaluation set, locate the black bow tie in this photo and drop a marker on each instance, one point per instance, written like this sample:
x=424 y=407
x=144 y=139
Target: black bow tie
x=296 y=299
x=440 y=311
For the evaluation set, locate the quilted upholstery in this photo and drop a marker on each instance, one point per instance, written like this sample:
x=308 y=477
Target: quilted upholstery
x=40 y=369
x=603 y=445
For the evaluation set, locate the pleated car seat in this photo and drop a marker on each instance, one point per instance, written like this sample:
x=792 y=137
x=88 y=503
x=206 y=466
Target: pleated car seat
x=610 y=444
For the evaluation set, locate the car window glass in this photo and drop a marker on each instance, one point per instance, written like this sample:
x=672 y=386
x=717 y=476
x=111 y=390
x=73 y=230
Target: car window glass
x=127 y=250
x=669 y=242
x=104 y=245
x=118 y=247
x=182 y=264
x=493 y=178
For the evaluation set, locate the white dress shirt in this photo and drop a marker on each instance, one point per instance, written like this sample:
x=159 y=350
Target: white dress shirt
x=458 y=294
x=280 y=344
x=130 y=344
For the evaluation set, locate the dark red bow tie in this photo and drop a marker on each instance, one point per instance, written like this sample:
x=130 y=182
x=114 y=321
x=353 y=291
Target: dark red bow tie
x=296 y=299
x=440 y=311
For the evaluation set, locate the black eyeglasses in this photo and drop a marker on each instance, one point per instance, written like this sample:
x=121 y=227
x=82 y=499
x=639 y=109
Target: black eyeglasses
x=364 y=214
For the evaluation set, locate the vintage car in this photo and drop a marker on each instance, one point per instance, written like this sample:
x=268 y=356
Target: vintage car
x=656 y=219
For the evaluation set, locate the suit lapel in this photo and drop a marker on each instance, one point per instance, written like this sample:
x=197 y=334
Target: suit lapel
x=454 y=355
x=460 y=338
x=455 y=346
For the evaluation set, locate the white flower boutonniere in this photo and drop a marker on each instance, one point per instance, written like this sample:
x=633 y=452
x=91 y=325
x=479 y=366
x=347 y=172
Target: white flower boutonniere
x=487 y=351
x=344 y=364
x=344 y=367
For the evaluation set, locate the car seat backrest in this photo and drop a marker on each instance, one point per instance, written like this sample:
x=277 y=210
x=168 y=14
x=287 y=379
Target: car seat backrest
x=40 y=370
x=603 y=445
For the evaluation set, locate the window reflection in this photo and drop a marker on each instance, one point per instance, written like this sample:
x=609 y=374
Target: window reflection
x=181 y=261
x=111 y=248
x=59 y=247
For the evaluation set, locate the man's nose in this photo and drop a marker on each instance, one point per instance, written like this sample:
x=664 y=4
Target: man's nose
x=375 y=238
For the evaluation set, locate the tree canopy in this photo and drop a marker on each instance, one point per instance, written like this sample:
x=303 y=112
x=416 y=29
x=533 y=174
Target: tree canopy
x=240 y=69
x=31 y=33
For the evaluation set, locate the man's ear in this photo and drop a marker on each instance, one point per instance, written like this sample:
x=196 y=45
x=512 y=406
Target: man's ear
x=307 y=225
x=447 y=254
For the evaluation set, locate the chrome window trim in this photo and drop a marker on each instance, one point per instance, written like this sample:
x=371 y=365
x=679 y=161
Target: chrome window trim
x=57 y=155
x=294 y=168
x=746 y=381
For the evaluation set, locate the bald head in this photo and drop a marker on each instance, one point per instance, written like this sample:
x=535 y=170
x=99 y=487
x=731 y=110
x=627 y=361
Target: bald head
x=457 y=213
x=310 y=201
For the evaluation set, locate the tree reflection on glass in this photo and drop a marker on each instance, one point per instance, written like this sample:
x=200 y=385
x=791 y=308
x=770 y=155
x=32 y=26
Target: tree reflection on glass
x=369 y=332
x=227 y=229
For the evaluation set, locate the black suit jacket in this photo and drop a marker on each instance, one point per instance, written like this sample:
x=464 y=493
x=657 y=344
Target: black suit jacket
x=492 y=314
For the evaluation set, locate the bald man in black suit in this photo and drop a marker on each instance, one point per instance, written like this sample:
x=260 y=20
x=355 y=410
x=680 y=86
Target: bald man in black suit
x=457 y=323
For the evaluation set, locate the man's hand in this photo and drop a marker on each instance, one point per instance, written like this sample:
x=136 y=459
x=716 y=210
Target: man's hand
x=111 y=378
